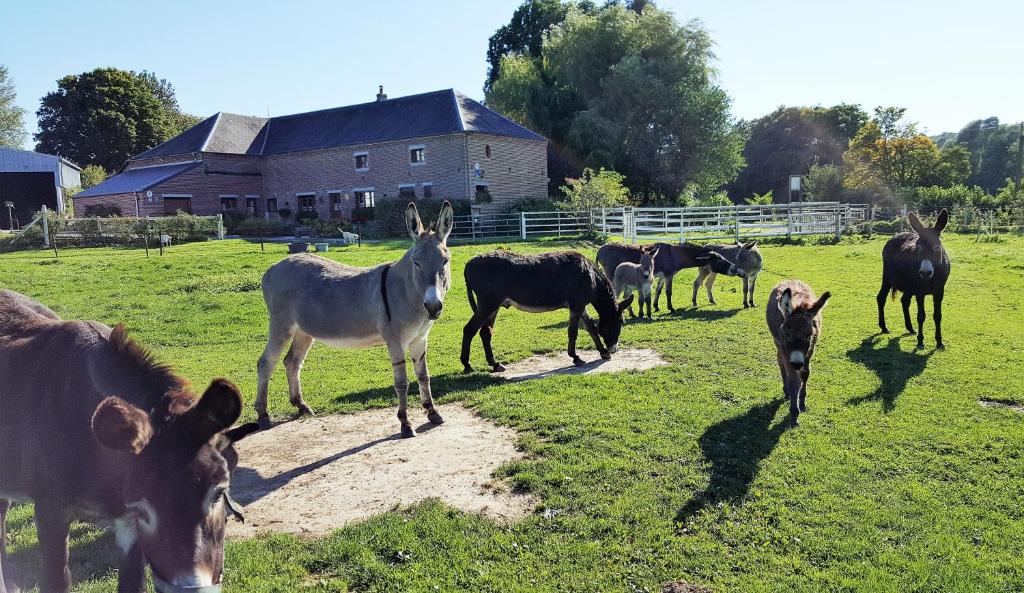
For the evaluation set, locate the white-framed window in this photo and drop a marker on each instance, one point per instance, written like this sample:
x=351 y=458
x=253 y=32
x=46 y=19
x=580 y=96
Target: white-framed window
x=407 y=191
x=334 y=198
x=306 y=203
x=364 y=196
x=252 y=204
x=228 y=202
x=428 y=190
x=417 y=154
x=362 y=161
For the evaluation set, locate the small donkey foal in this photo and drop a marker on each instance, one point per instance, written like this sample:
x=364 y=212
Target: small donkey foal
x=794 y=319
x=629 y=277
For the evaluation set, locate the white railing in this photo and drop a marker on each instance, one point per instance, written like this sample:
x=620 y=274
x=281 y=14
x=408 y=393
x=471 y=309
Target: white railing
x=521 y=225
x=732 y=222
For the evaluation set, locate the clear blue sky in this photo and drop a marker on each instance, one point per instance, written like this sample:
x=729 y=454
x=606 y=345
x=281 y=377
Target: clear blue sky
x=947 y=62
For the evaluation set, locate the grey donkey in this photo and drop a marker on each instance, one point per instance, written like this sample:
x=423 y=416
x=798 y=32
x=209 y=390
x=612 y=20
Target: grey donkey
x=748 y=262
x=313 y=298
x=794 y=319
x=639 y=277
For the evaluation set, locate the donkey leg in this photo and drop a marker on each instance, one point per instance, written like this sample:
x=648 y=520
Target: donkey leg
x=53 y=527
x=468 y=333
x=628 y=292
x=905 y=301
x=668 y=291
x=753 y=285
x=276 y=341
x=920 y=322
x=882 y=294
x=793 y=391
x=937 y=314
x=574 y=328
x=702 y=273
x=4 y=505
x=397 y=354
x=746 y=289
x=418 y=351
x=805 y=374
x=657 y=291
x=782 y=369
x=486 y=333
x=588 y=324
x=131 y=572
x=710 y=284
x=301 y=343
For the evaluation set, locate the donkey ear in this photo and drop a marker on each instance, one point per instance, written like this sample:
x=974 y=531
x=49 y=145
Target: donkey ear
x=445 y=220
x=941 y=221
x=915 y=223
x=219 y=408
x=820 y=303
x=412 y=221
x=121 y=426
x=655 y=252
x=625 y=303
x=230 y=437
x=750 y=245
x=786 y=302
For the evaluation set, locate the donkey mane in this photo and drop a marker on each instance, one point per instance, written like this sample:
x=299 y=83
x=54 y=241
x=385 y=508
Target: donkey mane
x=160 y=388
x=604 y=294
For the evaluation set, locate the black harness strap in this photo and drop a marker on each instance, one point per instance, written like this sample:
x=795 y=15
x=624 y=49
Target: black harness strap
x=384 y=291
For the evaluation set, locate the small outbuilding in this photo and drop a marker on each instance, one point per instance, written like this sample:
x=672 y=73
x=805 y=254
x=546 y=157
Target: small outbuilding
x=30 y=180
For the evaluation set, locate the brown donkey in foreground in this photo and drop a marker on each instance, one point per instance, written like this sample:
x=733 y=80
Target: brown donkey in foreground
x=916 y=264
x=92 y=427
x=794 y=319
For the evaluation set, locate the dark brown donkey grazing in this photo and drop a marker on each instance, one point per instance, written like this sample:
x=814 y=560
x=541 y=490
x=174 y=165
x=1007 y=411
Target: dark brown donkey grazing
x=794 y=319
x=916 y=264
x=536 y=284
x=671 y=258
x=92 y=427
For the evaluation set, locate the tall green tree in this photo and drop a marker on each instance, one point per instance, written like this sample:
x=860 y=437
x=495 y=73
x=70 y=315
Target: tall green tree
x=523 y=35
x=163 y=90
x=103 y=117
x=628 y=91
x=993 y=152
x=790 y=141
x=12 y=117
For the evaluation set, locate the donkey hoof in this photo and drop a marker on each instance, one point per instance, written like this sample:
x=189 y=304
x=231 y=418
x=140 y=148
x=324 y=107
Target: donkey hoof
x=576 y=360
x=466 y=369
x=407 y=431
x=497 y=368
x=304 y=410
x=803 y=407
x=940 y=346
x=264 y=421
x=885 y=330
x=434 y=417
x=920 y=346
x=606 y=355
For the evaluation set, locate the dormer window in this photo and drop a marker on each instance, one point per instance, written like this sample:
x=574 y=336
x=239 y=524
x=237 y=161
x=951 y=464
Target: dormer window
x=362 y=161
x=417 y=155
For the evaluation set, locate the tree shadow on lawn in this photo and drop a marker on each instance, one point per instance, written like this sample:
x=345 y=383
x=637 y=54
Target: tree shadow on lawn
x=699 y=314
x=90 y=559
x=894 y=368
x=735 y=448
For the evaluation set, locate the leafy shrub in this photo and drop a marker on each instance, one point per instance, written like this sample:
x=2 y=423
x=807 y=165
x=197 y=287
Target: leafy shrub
x=765 y=199
x=532 y=205
x=604 y=189
x=102 y=211
x=253 y=227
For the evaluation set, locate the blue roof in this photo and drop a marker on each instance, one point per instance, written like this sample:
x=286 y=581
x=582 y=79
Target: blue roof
x=134 y=180
x=427 y=114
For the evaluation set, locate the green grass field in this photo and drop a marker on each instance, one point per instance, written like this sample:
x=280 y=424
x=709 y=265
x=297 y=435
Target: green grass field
x=896 y=480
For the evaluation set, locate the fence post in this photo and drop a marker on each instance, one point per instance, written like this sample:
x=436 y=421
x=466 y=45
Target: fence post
x=220 y=226
x=736 y=210
x=789 y=220
x=46 y=228
x=522 y=225
x=839 y=221
x=558 y=221
x=871 y=222
x=903 y=217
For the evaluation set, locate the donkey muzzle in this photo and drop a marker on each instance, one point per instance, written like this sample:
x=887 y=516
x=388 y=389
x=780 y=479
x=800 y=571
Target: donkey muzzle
x=796 y=360
x=433 y=310
x=163 y=586
x=927 y=269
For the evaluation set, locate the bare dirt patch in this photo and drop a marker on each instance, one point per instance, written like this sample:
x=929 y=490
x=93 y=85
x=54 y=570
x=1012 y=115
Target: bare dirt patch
x=995 y=403
x=559 y=363
x=314 y=475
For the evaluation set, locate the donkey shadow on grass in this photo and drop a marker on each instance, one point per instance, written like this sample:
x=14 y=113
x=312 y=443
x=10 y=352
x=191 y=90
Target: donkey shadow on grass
x=735 y=448
x=893 y=366
x=93 y=554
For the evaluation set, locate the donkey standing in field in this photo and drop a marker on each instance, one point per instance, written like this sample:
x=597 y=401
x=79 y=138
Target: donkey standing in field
x=93 y=428
x=629 y=277
x=671 y=258
x=916 y=264
x=313 y=298
x=537 y=284
x=748 y=262
x=794 y=319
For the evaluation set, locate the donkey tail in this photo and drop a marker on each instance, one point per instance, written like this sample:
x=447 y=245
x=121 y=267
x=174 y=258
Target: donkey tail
x=893 y=295
x=472 y=299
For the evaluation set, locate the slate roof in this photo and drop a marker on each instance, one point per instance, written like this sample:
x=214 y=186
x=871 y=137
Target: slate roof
x=428 y=114
x=134 y=180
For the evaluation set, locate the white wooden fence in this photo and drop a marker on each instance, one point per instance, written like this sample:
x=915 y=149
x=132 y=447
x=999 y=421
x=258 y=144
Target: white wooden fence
x=633 y=224
x=730 y=222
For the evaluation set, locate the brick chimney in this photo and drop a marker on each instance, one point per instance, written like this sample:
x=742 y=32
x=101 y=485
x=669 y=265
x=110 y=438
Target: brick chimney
x=380 y=94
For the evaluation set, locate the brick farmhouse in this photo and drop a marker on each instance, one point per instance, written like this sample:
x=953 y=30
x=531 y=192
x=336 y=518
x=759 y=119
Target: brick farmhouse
x=440 y=144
